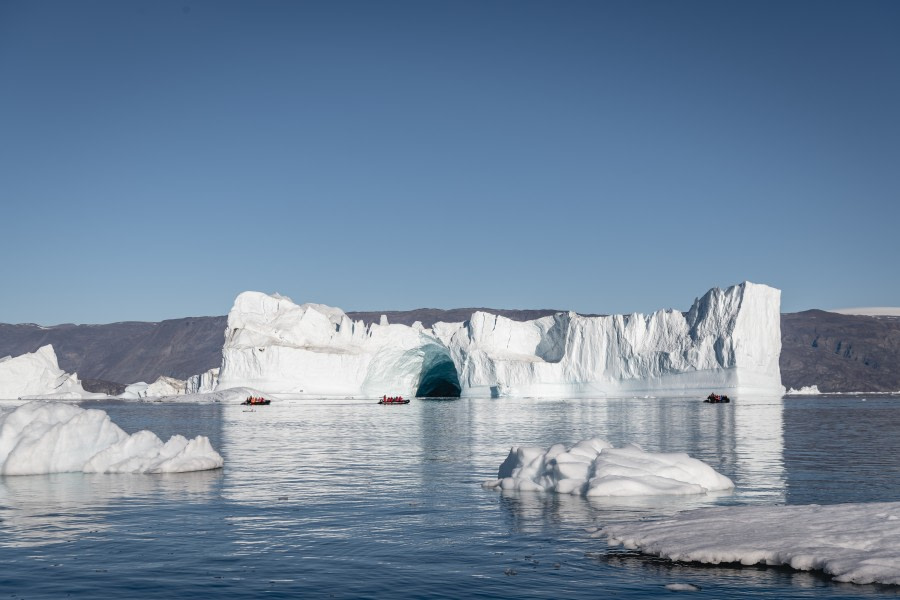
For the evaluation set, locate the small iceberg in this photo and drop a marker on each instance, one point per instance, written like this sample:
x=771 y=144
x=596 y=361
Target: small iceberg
x=806 y=390
x=594 y=468
x=52 y=437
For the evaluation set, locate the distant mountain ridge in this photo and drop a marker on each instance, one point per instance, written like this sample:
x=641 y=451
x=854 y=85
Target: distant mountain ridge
x=836 y=352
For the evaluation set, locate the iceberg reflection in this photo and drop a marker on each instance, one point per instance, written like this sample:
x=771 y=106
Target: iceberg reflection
x=49 y=509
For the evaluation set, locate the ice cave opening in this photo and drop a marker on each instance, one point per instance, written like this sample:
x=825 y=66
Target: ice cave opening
x=439 y=378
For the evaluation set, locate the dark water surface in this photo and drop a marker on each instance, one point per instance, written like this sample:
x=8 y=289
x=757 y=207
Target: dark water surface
x=348 y=499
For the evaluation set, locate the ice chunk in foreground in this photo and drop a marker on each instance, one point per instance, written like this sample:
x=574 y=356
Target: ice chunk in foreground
x=858 y=543
x=37 y=375
x=50 y=437
x=594 y=468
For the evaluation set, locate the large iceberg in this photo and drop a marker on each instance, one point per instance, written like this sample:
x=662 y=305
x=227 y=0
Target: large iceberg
x=37 y=375
x=276 y=346
x=859 y=543
x=729 y=341
x=51 y=437
x=594 y=468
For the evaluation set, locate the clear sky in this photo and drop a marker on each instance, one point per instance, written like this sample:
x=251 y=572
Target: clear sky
x=158 y=158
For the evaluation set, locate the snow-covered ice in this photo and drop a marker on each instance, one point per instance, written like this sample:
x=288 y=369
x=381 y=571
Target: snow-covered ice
x=858 y=543
x=594 y=468
x=729 y=341
x=37 y=375
x=51 y=437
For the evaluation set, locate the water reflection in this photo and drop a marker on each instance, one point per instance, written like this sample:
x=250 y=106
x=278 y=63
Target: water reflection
x=846 y=445
x=743 y=440
x=759 y=443
x=36 y=510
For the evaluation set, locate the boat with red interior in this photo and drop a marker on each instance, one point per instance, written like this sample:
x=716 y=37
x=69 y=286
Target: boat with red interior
x=393 y=400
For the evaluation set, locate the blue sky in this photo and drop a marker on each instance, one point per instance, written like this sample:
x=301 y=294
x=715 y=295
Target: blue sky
x=158 y=158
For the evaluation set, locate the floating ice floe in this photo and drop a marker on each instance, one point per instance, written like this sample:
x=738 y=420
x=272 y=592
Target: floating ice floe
x=594 y=468
x=858 y=543
x=806 y=390
x=50 y=437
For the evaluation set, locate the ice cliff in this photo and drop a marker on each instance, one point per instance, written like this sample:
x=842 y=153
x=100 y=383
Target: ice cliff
x=729 y=341
x=37 y=375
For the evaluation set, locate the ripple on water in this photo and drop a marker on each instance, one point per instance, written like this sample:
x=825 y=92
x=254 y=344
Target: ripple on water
x=347 y=498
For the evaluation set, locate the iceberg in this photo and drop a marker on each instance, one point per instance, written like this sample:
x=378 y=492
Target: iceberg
x=51 y=437
x=163 y=386
x=594 y=468
x=857 y=543
x=806 y=390
x=279 y=347
x=729 y=341
x=167 y=387
x=203 y=383
x=36 y=375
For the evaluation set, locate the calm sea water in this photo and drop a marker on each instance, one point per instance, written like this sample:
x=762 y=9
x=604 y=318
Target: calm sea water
x=348 y=499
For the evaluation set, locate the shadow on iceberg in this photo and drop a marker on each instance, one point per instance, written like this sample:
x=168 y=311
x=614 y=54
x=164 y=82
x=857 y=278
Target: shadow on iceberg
x=439 y=378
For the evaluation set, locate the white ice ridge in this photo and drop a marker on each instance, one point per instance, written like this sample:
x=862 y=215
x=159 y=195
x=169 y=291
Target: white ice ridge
x=594 y=468
x=858 y=543
x=729 y=341
x=51 y=437
x=37 y=375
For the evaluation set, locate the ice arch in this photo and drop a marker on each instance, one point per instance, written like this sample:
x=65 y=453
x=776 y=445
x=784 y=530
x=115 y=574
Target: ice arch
x=424 y=369
x=439 y=378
